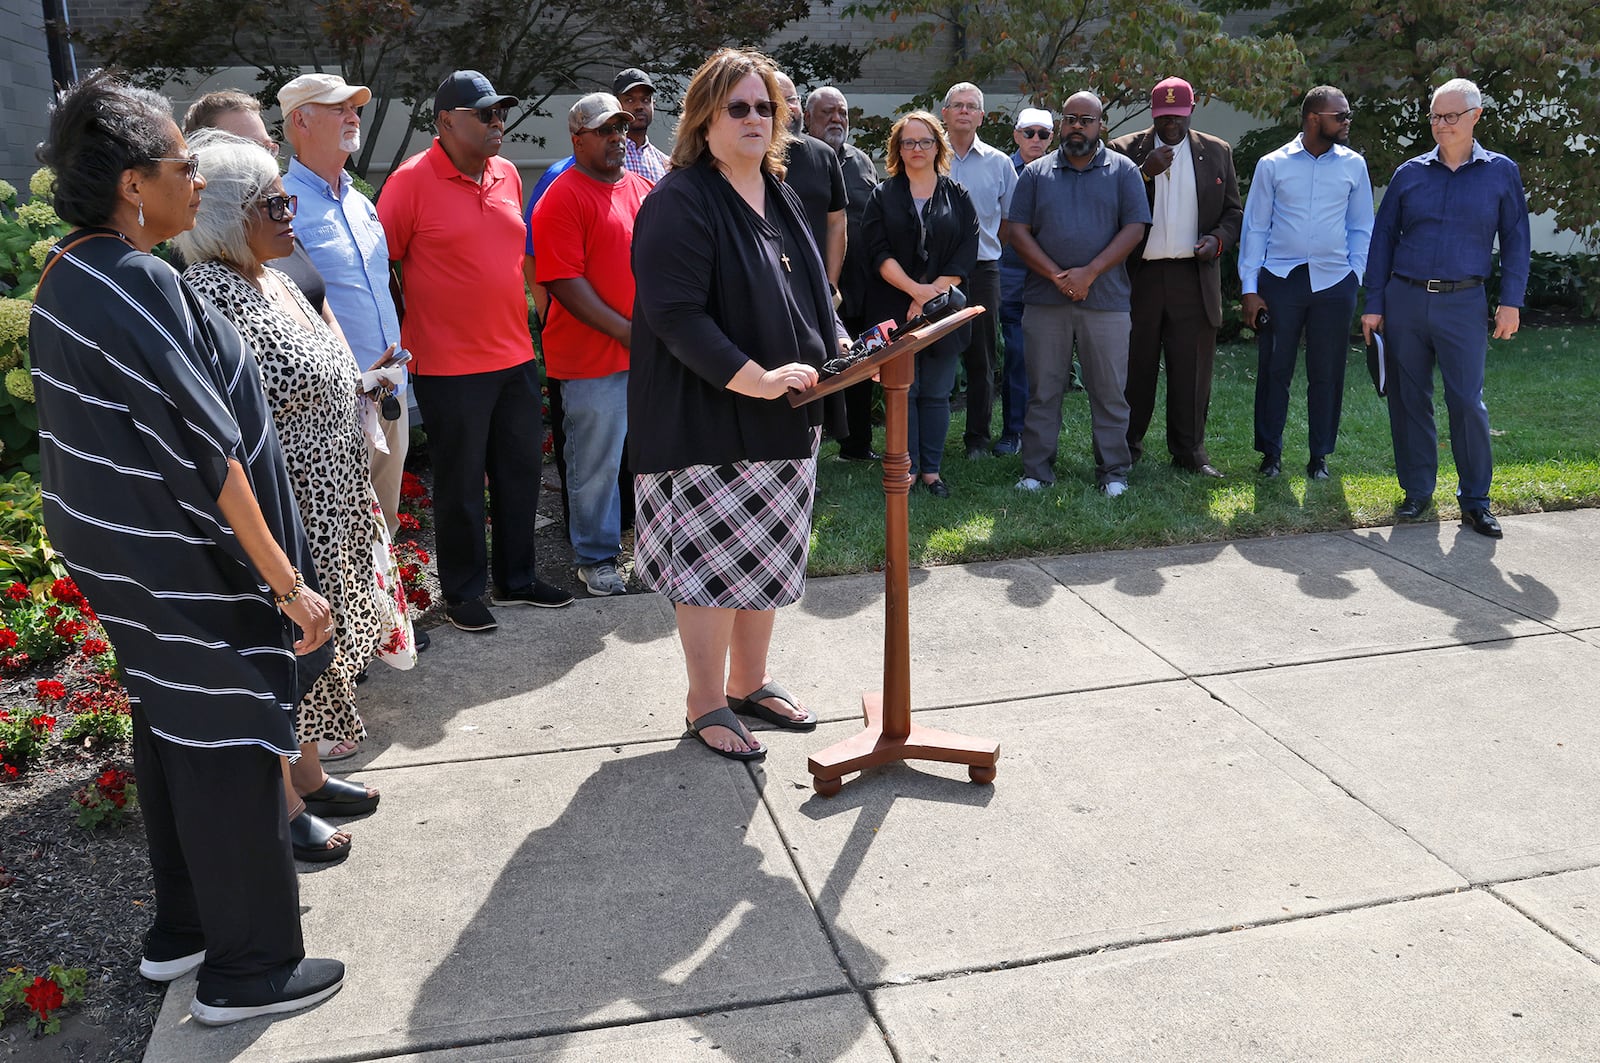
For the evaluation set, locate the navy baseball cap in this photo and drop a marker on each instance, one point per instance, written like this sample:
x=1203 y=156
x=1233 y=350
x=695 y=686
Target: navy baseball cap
x=468 y=88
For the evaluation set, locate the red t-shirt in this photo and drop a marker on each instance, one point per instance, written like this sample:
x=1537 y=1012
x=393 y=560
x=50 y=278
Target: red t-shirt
x=583 y=227
x=459 y=244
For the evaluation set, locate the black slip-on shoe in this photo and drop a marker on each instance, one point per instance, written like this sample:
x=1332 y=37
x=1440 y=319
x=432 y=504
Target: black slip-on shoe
x=311 y=982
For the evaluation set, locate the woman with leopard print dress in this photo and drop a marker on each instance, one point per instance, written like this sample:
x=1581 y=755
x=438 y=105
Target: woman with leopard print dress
x=313 y=388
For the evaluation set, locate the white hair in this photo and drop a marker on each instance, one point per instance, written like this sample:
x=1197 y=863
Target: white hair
x=962 y=86
x=815 y=96
x=237 y=171
x=1467 y=89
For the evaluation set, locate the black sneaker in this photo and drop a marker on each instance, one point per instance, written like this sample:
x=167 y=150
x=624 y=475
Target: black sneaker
x=471 y=615
x=422 y=640
x=311 y=982
x=168 y=957
x=541 y=594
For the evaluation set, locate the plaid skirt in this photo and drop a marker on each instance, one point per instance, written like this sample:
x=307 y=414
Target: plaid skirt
x=727 y=536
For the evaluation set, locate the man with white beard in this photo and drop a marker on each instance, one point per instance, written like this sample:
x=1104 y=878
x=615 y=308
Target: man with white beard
x=339 y=228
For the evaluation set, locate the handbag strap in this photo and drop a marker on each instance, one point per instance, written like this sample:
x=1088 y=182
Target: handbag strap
x=61 y=253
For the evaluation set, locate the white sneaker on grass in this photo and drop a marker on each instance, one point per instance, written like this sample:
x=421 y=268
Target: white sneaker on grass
x=602 y=579
x=1113 y=488
x=1028 y=483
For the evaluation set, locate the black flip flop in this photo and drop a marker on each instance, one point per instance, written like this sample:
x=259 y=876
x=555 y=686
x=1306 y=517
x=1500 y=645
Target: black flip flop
x=310 y=836
x=723 y=718
x=751 y=706
x=338 y=798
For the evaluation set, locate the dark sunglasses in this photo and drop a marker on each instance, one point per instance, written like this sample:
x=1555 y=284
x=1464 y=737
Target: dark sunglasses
x=280 y=208
x=1337 y=116
x=191 y=165
x=741 y=108
x=1035 y=134
x=487 y=115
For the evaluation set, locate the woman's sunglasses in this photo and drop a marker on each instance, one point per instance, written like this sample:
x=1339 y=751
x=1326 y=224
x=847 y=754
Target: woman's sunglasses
x=741 y=108
x=191 y=165
x=280 y=208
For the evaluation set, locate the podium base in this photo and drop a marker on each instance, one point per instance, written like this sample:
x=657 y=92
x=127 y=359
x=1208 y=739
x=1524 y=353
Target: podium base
x=872 y=747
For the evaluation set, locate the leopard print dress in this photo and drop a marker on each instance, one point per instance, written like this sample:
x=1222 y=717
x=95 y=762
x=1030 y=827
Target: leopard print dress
x=311 y=384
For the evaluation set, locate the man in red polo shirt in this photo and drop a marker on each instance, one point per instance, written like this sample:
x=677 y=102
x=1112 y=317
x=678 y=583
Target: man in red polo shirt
x=453 y=216
x=583 y=227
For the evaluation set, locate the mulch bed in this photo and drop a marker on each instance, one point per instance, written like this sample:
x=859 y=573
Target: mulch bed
x=83 y=898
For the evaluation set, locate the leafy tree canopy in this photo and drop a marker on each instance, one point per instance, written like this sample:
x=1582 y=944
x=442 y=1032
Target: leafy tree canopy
x=403 y=48
x=1535 y=60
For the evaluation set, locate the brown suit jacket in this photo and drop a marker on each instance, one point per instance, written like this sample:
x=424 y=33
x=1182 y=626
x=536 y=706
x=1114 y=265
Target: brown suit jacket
x=1216 y=197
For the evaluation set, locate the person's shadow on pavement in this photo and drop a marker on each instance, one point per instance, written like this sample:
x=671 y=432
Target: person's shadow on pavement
x=660 y=890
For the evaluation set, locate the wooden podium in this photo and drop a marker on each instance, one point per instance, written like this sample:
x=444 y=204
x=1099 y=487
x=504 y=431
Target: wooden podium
x=890 y=735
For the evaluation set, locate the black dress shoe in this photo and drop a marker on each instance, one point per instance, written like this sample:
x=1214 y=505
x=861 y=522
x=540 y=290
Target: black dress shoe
x=976 y=452
x=1271 y=468
x=1412 y=508
x=1205 y=468
x=937 y=488
x=1317 y=469
x=1482 y=522
x=860 y=455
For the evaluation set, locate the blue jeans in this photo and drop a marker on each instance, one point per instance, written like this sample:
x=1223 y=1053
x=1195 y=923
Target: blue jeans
x=928 y=406
x=595 y=416
x=1014 y=373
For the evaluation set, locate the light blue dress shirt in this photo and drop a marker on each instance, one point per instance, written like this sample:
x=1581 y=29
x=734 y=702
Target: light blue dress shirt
x=1307 y=210
x=989 y=178
x=342 y=234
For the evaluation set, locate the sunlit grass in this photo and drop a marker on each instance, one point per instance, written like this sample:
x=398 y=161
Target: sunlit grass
x=1543 y=392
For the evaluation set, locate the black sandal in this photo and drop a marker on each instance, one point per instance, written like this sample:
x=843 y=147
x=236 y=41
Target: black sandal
x=310 y=837
x=338 y=798
x=751 y=706
x=723 y=718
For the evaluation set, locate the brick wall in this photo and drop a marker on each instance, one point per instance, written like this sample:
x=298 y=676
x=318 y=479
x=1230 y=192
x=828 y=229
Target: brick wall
x=25 y=90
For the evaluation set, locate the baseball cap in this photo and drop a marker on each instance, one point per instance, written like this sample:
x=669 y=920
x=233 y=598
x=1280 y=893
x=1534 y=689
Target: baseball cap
x=321 y=88
x=468 y=88
x=631 y=78
x=594 y=110
x=1172 y=96
x=1034 y=116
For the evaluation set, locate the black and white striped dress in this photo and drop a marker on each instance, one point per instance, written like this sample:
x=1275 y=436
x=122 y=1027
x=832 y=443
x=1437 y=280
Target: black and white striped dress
x=144 y=393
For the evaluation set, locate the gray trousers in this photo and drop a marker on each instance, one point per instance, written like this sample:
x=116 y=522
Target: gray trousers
x=1102 y=335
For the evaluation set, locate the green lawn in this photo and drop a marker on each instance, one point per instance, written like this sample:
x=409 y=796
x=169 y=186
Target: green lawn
x=1543 y=392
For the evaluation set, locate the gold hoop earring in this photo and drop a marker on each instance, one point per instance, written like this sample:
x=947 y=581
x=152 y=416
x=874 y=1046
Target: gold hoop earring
x=141 y=214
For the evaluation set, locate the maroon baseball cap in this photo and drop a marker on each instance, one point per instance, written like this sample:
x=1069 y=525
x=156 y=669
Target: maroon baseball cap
x=1172 y=96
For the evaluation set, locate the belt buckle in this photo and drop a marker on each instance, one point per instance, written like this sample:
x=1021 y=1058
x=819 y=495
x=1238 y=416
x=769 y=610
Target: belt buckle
x=1435 y=287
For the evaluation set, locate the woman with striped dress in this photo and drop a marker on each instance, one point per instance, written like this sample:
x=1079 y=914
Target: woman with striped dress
x=166 y=495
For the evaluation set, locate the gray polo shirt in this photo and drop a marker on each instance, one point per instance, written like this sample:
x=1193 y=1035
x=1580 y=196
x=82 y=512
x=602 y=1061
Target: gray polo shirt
x=988 y=177
x=1074 y=214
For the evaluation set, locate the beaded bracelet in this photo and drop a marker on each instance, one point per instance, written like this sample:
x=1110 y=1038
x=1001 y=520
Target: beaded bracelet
x=294 y=592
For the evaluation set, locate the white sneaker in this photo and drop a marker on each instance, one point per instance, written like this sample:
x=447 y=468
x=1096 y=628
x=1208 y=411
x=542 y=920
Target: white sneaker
x=602 y=579
x=1028 y=483
x=1113 y=488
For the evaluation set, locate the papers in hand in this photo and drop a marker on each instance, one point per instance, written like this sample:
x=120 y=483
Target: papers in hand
x=1378 y=363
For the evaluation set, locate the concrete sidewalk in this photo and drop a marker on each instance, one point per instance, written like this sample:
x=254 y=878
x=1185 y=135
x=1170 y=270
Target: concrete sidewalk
x=1331 y=797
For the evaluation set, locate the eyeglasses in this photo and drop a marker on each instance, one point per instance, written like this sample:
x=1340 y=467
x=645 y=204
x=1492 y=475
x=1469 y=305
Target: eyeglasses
x=919 y=144
x=963 y=105
x=615 y=129
x=280 y=208
x=191 y=165
x=1337 y=116
x=1449 y=119
x=487 y=115
x=1035 y=134
x=739 y=109
x=1079 y=119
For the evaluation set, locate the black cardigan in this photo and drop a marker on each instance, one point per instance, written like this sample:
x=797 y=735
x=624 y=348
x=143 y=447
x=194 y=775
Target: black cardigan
x=891 y=230
x=707 y=275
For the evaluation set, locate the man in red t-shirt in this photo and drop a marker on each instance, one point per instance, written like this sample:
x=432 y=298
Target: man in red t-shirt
x=453 y=216
x=583 y=228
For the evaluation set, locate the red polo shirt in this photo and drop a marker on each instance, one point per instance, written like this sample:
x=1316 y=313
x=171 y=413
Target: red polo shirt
x=459 y=243
x=583 y=227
